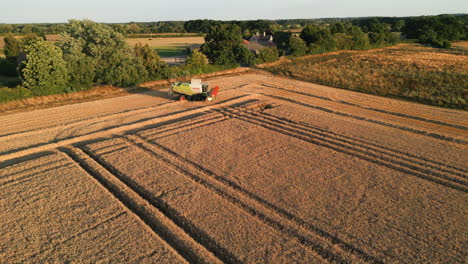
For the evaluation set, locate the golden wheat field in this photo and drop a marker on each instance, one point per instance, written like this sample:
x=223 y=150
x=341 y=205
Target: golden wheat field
x=275 y=170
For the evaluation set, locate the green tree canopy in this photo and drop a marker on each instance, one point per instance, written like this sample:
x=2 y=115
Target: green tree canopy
x=359 y=38
x=12 y=46
x=435 y=29
x=268 y=55
x=44 y=71
x=197 y=62
x=297 y=46
x=80 y=66
x=224 y=45
x=281 y=40
x=155 y=67
x=311 y=34
x=337 y=27
x=112 y=58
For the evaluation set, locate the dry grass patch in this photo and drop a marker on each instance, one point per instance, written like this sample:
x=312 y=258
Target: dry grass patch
x=405 y=71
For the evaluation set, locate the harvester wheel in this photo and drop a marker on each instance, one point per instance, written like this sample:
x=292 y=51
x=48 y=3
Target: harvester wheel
x=181 y=98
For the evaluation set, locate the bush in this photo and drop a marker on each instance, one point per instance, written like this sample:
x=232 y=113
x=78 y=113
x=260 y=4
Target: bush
x=123 y=70
x=268 y=55
x=343 y=41
x=360 y=39
x=245 y=57
x=197 y=62
x=297 y=46
x=155 y=68
x=446 y=44
x=12 y=46
x=10 y=94
x=44 y=71
x=7 y=67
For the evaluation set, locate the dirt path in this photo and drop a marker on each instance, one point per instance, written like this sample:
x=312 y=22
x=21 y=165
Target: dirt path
x=275 y=171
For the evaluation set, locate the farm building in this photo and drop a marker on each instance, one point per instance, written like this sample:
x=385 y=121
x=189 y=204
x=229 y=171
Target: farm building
x=262 y=39
x=259 y=42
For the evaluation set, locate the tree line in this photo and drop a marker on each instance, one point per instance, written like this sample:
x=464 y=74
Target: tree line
x=93 y=54
x=88 y=54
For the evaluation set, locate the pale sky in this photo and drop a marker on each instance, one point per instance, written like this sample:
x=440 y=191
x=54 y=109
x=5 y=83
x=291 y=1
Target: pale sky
x=37 y=11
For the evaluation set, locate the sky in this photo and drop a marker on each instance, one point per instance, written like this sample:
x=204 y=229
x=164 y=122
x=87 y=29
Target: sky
x=115 y=11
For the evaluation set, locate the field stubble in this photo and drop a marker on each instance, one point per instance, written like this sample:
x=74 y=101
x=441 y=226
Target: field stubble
x=276 y=171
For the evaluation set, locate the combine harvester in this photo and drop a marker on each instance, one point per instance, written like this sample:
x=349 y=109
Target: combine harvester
x=193 y=91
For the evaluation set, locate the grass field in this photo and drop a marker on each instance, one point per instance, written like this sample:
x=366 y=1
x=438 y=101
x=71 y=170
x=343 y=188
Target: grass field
x=407 y=71
x=165 y=46
x=164 y=35
x=169 y=47
x=171 y=51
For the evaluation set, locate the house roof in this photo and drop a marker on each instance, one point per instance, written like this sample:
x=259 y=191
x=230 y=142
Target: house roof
x=254 y=46
x=261 y=38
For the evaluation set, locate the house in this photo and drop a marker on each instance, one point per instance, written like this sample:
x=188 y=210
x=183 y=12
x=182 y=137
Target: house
x=259 y=42
x=262 y=39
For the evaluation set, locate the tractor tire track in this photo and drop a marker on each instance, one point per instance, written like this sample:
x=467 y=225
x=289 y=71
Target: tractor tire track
x=142 y=208
x=349 y=149
x=125 y=113
x=370 y=108
x=121 y=129
x=457 y=172
x=317 y=240
x=197 y=235
x=361 y=118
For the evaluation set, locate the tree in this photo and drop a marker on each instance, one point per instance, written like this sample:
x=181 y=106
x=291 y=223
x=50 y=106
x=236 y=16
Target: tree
x=343 y=41
x=200 y=26
x=112 y=58
x=133 y=28
x=197 y=62
x=155 y=68
x=12 y=46
x=268 y=55
x=5 y=28
x=337 y=27
x=44 y=71
x=224 y=45
x=281 y=40
x=398 y=26
x=81 y=68
x=310 y=34
x=435 y=29
x=359 y=38
x=297 y=46
x=319 y=39
x=244 y=56
x=27 y=29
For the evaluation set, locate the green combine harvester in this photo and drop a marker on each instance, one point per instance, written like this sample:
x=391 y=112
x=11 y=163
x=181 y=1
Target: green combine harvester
x=193 y=91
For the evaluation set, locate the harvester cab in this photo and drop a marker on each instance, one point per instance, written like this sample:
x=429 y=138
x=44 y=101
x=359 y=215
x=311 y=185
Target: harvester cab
x=193 y=91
